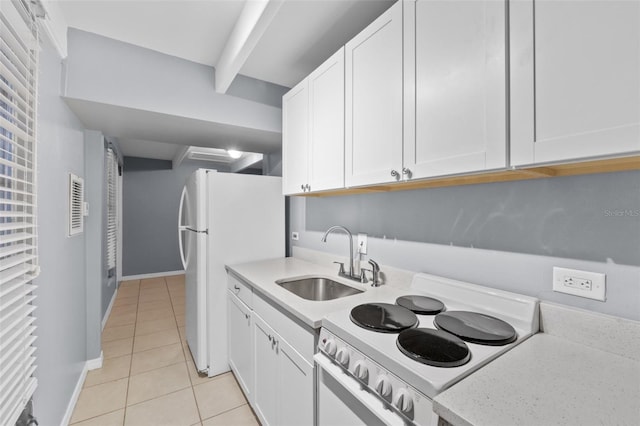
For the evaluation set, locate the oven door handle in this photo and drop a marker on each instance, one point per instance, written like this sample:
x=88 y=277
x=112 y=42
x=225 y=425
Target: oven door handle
x=351 y=385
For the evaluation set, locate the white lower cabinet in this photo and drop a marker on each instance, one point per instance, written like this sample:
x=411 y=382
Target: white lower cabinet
x=284 y=385
x=266 y=367
x=241 y=343
x=274 y=368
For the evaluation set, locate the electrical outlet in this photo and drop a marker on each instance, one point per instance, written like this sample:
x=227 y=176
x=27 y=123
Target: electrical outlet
x=295 y=236
x=362 y=243
x=591 y=285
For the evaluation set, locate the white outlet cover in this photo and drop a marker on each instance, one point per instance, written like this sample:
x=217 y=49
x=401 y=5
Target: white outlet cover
x=598 y=280
x=362 y=243
x=295 y=236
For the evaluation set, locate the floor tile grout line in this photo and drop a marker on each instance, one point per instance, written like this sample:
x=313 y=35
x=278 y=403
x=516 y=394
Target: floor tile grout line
x=225 y=411
x=137 y=374
x=126 y=395
x=99 y=415
x=193 y=391
x=164 y=366
x=176 y=322
x=159 y=396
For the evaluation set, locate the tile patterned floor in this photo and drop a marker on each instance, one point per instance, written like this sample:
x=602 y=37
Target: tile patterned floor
x=148 y=376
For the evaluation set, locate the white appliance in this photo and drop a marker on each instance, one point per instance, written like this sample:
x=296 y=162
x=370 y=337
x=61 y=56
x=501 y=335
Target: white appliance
x=224 y=218
x=364 y=377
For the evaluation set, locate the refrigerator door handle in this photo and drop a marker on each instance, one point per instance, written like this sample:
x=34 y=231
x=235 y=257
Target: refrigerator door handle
x=182 y=228
x=186 y=228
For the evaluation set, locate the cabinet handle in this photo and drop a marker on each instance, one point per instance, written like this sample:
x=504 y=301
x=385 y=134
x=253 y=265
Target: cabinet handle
x=246 y=316
x=407 y=172
x=395 y=174
x=236 y=288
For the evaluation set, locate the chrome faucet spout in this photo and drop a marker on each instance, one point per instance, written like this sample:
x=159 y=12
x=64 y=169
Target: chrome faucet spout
x=346 y=231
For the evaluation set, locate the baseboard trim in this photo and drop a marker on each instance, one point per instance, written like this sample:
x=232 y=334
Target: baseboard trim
x=153 y=275
x=94 y=364
x=106 y=314
x=91 y=364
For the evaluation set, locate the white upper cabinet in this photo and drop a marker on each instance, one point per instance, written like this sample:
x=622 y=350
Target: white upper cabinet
x=373 y=99
x=313 y=130
x=326 y=124
x=295 y=139
x=455 y=87
x=575 y=79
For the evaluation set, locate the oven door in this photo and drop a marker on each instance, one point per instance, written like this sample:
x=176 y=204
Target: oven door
x=341 y=400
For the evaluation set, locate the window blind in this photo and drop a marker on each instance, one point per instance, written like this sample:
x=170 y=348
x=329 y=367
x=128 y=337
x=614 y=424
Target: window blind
x=112 y=205
x=18 y=240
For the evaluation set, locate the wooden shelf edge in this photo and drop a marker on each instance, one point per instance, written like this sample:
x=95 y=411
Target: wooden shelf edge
x=548 y=171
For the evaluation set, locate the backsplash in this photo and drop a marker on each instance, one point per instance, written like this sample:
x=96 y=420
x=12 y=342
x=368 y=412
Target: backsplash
x=503 y=235
x=593 y=217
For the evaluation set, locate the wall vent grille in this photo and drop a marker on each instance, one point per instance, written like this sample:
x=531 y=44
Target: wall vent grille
x=76 y=204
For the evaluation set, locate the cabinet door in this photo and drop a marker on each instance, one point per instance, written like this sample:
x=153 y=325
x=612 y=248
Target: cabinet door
x=373 y=101
x=295 y=387
x=295 y=139
x=241 y=343
x=326 y=124
x=266 y=373
x=575 y=79
x=455 y=116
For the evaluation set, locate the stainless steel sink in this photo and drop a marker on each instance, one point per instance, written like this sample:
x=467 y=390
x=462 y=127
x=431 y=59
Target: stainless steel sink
x=317 y=288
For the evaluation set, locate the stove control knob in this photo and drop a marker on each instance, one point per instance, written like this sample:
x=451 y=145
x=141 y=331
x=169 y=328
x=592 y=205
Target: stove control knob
x=383 y=386
x=403 y=401
x=330 y=347
x=343 y=356
x=360 y=370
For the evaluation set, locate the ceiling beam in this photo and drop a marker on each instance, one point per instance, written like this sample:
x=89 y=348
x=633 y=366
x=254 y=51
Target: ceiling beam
x=245 y=162
x=254 y=19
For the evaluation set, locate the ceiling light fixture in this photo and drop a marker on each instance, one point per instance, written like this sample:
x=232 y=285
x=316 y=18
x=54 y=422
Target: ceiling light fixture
x=234 y=154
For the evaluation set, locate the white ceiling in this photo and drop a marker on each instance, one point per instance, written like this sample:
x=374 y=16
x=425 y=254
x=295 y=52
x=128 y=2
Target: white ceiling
x=300 y=37
x=193 y=30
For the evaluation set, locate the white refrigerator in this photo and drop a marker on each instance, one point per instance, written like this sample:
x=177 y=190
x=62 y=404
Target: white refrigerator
x=224 y=218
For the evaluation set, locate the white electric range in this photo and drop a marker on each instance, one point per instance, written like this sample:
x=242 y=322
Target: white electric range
x=365 y=376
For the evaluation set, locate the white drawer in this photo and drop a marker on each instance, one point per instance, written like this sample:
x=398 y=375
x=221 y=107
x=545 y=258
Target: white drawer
x=241 y=290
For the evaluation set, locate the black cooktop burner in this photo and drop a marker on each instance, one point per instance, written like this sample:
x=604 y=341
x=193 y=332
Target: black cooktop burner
x=383 y=317
x=476 y=328
x=421 y=305
x=433 y=347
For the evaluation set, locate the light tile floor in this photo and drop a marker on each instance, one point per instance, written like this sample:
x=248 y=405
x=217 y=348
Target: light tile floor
x=148 y=376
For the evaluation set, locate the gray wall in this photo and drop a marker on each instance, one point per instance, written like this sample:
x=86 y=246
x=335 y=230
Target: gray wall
x=100 y=287
x=110 y=77
x=505 y=235
x=61 y=313
x=150 y=202
x=94 y=231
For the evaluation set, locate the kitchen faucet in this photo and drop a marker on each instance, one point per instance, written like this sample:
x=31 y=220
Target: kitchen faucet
x=341 y=273
x=375 y=272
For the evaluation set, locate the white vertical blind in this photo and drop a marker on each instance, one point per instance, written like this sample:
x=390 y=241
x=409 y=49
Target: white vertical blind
x=18 y=242
x=112 y=207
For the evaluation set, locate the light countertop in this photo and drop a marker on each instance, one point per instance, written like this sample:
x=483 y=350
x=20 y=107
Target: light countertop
x=262 y=277
x=584 y=369
x=551 y=380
